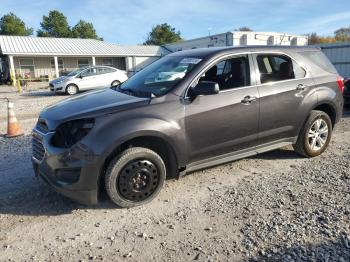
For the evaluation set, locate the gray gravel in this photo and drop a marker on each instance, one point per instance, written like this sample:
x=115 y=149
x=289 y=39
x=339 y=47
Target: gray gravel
x=273 y=207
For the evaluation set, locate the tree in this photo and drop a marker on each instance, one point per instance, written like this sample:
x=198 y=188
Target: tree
x=315 y=39
x=163 y=34
x=11 y=24
x=84 y=29
x=54 y=25
x=244 y=29
x=342 y=34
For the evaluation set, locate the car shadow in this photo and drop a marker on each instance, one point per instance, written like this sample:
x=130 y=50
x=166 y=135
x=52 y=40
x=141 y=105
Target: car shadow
x=41 y=94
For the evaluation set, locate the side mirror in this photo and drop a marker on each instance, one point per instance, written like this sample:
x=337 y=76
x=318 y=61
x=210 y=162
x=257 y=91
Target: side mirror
x=80 y=76
x=205 y=88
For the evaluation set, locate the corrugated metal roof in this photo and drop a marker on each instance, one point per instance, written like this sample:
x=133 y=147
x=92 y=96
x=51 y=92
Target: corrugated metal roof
x=27 y=45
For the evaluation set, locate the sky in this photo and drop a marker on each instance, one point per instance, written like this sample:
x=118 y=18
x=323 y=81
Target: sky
x=128 y=22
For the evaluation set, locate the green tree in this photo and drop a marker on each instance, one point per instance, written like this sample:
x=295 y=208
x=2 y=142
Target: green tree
x=11 y=24
x=163 y=34
x=244 y=29
x=342 y=34
x=316 y=39
x=84 y=29
x=54 y=25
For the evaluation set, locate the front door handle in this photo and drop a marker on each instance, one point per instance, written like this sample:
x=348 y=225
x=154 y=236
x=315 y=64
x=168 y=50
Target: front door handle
x=301 y=87
x=248 y=100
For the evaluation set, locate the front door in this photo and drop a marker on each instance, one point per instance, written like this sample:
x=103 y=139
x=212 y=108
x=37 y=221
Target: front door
x=228 y=121
x=88 y=79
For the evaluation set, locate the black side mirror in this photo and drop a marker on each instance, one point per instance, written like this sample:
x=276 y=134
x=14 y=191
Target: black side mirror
x=80 y=76
x=205 y=88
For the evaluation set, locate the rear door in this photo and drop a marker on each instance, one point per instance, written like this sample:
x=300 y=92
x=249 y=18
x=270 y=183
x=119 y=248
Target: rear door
x=283 y=84
x=225 y=122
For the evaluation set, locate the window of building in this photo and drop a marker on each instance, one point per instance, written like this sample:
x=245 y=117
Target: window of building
x=82 y=62
x=60 y=64
x=230 y=73
x=278 y=68
x=107 y=62
x=26 y=66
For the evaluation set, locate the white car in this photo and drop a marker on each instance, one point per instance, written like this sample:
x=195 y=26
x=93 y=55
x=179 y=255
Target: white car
x=88 y=78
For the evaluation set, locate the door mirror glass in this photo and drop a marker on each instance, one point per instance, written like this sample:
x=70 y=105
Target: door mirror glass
x=205 y=88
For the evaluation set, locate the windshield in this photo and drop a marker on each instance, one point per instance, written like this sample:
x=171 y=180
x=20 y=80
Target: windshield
x=76 y=71
x=160 y=77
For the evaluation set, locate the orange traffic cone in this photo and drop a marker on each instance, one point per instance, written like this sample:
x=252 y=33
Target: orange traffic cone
x=13 y=127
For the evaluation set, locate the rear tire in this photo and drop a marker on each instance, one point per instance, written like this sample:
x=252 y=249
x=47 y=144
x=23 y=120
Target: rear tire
x=135 y=177
x=115 y=83
x=315 y=135
x=72 y=89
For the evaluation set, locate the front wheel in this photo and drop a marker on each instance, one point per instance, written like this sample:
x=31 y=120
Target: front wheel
x=72 y=89
x=315 y=136
x=135 y=177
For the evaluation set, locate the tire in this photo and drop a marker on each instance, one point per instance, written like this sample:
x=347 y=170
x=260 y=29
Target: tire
x=115 y=83
x=312 y=140
x=72 y=89
x=135 y=177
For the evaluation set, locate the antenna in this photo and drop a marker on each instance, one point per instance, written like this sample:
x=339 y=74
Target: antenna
x=282 y=38
x=209 y=31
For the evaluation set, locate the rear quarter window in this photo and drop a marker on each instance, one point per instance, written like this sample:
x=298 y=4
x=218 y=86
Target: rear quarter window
x=320 y=59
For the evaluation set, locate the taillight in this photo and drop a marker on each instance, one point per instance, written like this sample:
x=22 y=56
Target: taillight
x=340 y=82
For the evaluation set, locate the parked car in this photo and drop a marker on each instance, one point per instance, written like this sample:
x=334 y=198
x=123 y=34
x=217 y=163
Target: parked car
x=130 y=138
x=347 y=91
x=87 y=78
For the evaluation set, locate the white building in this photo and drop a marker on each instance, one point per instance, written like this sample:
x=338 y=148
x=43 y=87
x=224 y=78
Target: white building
x=239 y=38
x=46 y=57
x=339 y=55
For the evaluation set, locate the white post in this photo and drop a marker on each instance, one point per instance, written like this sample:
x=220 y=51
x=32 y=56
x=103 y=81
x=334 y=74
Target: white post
x=134 y=64
x=56 y=67
x=93 y=61
x=12 y=70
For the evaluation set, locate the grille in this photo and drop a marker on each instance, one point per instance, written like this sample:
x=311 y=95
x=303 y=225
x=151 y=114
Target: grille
x=42 y=126
x=38 y=148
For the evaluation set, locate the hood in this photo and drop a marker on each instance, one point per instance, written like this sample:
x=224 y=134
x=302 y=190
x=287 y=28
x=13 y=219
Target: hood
x=89 y=104
x=61 y=78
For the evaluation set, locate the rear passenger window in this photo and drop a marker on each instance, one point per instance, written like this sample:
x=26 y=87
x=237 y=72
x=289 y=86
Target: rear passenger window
x=274 y=68
x=230 y=73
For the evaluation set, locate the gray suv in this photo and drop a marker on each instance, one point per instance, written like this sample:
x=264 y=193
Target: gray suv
x=229 y=103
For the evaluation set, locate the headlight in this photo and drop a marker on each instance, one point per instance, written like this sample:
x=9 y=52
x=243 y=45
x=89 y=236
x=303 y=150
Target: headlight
x=71 y=132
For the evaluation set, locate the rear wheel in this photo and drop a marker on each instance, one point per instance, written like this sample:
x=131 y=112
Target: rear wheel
x=315 y=136
x=135 y=177
x=115 y=83
x=72 y=89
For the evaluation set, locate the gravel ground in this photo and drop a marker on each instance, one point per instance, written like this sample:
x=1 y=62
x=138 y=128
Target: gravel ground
x=276 y=206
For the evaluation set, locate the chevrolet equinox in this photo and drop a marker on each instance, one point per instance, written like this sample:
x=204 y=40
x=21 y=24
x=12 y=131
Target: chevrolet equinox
x=225 y=104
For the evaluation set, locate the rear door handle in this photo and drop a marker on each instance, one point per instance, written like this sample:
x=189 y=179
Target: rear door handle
x=301 y=87
x=248 y=100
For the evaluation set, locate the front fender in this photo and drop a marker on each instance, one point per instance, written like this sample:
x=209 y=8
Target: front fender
x=109 y=134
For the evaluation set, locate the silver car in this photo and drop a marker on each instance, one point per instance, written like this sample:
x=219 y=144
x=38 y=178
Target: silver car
x=88 y=78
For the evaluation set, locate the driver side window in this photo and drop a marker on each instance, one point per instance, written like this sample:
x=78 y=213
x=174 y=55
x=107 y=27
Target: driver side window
x=230 y=73
x=89 y=72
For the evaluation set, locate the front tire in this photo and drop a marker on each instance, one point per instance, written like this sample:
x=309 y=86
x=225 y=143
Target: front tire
x=135 y=177
x=315 y=135
x=72 y=89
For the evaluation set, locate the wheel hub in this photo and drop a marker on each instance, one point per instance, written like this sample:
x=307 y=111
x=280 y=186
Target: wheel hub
x=138 y=180
x=318 y=134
